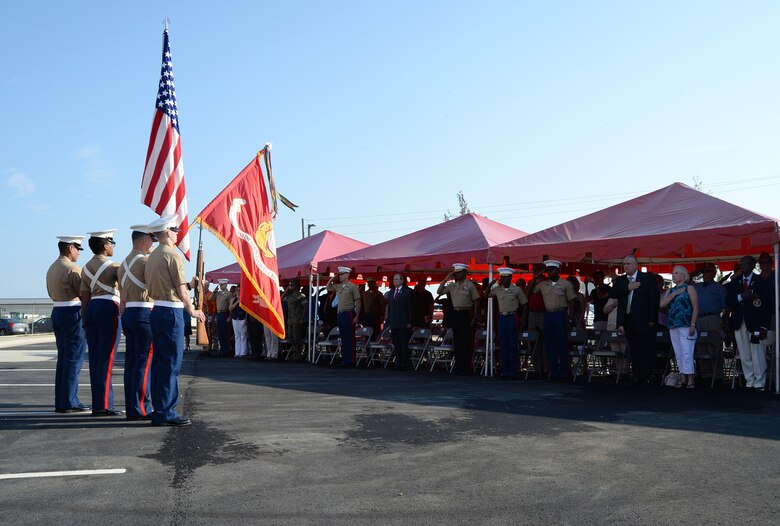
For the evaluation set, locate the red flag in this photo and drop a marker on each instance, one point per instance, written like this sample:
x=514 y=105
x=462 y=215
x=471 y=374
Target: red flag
x=162 y=186
x=240 y=216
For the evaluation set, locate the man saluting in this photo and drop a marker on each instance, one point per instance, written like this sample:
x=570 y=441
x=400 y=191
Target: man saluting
x=164 y=276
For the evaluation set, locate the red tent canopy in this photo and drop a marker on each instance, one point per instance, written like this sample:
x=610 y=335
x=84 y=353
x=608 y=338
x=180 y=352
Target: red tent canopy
x=673 y=224
x=296 y=258
x=467 y=239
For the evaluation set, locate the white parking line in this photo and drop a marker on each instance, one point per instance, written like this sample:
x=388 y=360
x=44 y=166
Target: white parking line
x=34 y=413
x=62 y=473
x=2 y=369
x=49 y=385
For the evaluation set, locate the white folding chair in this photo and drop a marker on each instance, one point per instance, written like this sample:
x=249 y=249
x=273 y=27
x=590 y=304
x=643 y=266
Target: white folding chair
x=575 y=348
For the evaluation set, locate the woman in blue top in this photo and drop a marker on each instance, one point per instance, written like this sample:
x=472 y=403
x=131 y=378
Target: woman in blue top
x=683 y=311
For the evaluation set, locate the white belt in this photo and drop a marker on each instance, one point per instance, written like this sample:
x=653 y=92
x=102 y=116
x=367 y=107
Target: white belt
x=171 y=304
x=115 y=299
x=71 y=303
x=142 y=304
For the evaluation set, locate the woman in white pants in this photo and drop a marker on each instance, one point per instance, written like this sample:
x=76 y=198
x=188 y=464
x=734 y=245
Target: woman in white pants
x=683 y=311
x=238 y=317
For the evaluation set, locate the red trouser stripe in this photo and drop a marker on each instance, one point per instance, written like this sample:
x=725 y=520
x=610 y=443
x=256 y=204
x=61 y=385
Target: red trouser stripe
x=146 y=379
x=111 y=361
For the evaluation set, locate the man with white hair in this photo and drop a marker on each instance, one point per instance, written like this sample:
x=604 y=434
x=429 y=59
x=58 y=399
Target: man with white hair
x=164 y=276
x=638 y=303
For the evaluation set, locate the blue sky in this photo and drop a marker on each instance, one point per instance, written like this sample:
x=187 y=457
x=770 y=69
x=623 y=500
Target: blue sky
x=380 y=113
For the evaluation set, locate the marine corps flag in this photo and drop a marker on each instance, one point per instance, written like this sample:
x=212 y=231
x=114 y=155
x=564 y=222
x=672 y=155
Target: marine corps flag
x=241 y=217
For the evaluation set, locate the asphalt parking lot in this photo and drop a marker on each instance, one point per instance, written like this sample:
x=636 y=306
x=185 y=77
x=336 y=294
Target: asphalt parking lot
x=293 y=443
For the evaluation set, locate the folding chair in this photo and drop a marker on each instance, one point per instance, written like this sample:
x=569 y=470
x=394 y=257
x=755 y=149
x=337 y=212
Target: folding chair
x=479 y=352
x=527 y=347
x=443 y=352
x=381 y=350
x=362 y=340
x=418 y=346
x=609 y=352
x=706 y=339
x=577 y=357
x=330 y=346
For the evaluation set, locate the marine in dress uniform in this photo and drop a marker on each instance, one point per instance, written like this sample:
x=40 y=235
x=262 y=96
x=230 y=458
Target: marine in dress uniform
x=135 y=308
x=63 y=283
x=100 y=304
x=167 y=286
x=464 y=296
x=222 y=298
x=349 y=304
x=558 y=294
x=510 y=298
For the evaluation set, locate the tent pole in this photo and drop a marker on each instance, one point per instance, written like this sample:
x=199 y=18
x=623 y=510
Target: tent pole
x=314 y=328
x=777 y=317
x=489 y=328
x=308 y=312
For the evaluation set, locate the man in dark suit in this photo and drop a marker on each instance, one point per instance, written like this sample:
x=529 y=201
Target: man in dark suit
x=398 y=316
x=750 y=299
x=638 y=303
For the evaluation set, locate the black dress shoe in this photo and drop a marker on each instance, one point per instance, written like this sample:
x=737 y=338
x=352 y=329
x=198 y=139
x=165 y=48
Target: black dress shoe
x=107 y=412
x=80 y=409
x=137 y=418
x=178 y=421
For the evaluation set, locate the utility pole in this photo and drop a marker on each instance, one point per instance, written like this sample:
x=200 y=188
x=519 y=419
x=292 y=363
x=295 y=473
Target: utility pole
x=302 y=235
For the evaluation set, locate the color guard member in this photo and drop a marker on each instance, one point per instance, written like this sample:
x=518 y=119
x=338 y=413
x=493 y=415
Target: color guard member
x=510 y=298
x=349 y=305
x=558 y=294
x=100 y=305
x=135 y=308
x=222 y=298
x=63 y=283
x=464 y=296
x=167 y=286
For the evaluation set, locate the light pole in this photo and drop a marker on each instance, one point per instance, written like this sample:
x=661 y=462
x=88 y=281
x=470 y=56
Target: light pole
x=308 y=229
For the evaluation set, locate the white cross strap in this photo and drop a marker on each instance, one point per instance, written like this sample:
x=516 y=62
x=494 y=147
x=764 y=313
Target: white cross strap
x=128 y=274
x=94 y=279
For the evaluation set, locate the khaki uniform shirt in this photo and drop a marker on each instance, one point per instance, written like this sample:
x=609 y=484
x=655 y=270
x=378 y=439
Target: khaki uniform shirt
x=222 y=297
x=373 y=303
x=164 y=273
x=132 y=291
x=556 y=296
x=108 y=278
x=63 y=280
x=509 y=299
x=347 y=293
x=463 y=294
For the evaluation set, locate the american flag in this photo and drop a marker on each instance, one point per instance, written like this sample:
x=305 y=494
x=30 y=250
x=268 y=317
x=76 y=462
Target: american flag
x=162 y=188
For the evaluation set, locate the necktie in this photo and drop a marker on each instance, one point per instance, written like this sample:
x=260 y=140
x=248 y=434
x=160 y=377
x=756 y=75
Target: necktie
x=630 y=295
x=396 y=293
x=745 y=283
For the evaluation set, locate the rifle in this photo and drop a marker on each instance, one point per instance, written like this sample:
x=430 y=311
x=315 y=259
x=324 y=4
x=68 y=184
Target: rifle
x=202 y=333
